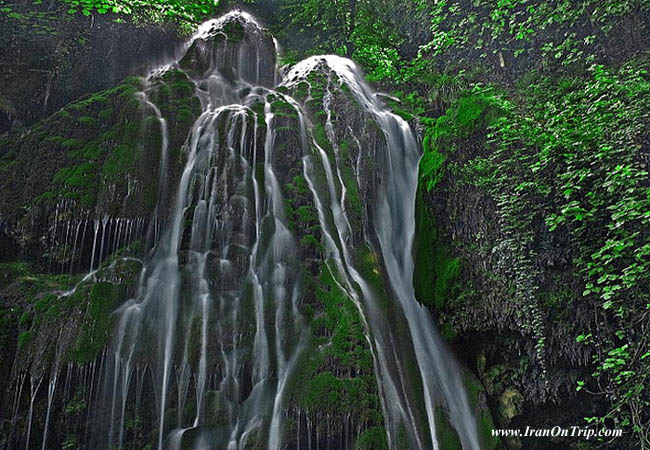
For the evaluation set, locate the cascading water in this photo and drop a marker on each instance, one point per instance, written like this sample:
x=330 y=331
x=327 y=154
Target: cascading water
x=394 y=225
x=212 y=345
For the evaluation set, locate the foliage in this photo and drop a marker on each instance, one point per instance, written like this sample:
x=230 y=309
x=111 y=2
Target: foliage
x=374 y=438
x=184 y=13
x=569 y=158
x=504 y=33
x=587 y=163
x=565 y=160
x=472 y=111
x=348 y=28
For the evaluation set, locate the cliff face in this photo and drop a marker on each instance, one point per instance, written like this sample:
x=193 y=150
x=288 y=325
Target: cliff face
x=538 y=242
x=51 y=58
x=467 y=271
x=217 y=254
x=530 y=241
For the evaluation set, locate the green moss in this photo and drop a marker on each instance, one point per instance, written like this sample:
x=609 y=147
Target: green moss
x=78 y=183
x=93 y=151
x=284 y=129
x=326 y=392
x=25 y=318
x=62 y=174
x=279 y=106
x=64 y=114
x=119 y=160
x=31 y=286
x=82 y=175
x=436 y=271
x=72 y=143
x=310 y=240
x=301 y=214
x=339 y=342
x=485 y=424
x=103 y=298
x=447 y=437
x=352 y=204
x=321 y=137
x=92 y=99
x=374 y=438
x=283 y=109
x=317 y=83
x=402 y=105
x=104 y=157
x=367 y=263
x=105 y=114
x=55 y=139
x=44 y=311
x=348 y=343
x=302 y=90
x=299 y=185
x=431 y=166
x=44 y=303
x=472 y=112
x=234 y=31
x=24 y=338
x=76 y=405
x=11 y=271
x=87 y=121
x=306 y=214
x=404 y=114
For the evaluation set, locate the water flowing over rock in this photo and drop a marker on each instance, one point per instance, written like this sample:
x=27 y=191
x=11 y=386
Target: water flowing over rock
x=274 y=308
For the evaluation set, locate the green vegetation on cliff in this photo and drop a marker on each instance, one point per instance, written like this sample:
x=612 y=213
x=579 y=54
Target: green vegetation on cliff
x=335 y=377
x=535 y=220
x=550 y=136
x=533 y=216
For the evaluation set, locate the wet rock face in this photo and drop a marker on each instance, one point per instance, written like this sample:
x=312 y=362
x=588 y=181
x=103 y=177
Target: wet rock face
x=50 y=58
x=98 y=158
x=6 y=120
x=246 y=222
x=235 y=46
x=271 y=223
x=341 y=126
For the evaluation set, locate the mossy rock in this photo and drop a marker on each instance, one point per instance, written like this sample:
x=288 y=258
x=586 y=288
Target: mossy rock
x=373 y=438
x=436 y=270
x=335 y=376
x=476 y=395
x=11 y=271
x=510 y=404
x=234 y=31
x=102 y=299
x=447 y=437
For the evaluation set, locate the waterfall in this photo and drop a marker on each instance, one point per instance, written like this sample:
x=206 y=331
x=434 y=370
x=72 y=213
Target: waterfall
x=394 y=219
x=210 y=350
